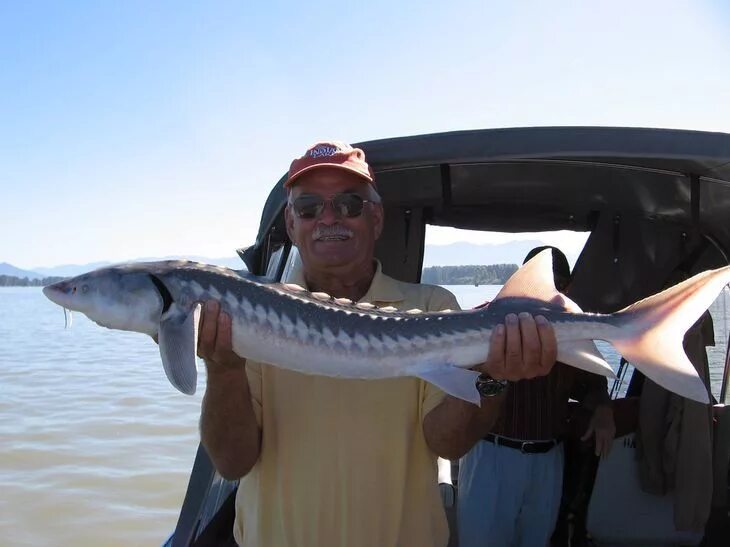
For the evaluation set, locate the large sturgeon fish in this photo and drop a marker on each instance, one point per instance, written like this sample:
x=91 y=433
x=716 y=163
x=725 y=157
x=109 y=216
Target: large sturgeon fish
x=314 y=333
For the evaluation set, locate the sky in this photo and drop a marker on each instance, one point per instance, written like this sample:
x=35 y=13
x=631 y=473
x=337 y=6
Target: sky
x=133 y=129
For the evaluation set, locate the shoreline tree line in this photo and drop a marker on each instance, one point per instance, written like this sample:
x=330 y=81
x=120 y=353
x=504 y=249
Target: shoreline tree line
x=493 y=274
x=12 y=281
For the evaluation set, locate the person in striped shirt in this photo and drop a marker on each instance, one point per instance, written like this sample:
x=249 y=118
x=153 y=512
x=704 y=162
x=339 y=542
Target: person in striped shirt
x=510 y=482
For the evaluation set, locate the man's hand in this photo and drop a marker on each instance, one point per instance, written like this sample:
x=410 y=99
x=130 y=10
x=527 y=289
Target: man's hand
x=524 y=347
x=214 y=339
x=603 y=427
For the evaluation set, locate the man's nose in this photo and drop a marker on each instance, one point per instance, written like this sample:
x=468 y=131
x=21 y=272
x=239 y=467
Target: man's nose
x=329 y=214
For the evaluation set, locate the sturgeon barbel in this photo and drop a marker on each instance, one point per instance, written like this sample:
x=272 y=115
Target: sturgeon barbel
x=314 y=333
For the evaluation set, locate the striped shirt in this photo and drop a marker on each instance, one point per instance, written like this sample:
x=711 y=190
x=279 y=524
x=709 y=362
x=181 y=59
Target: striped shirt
x=537 y=409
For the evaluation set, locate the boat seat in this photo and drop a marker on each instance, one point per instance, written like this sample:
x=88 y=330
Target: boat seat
x=621 y=513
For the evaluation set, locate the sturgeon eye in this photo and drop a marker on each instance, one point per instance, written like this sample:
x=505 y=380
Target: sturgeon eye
x=84 y=288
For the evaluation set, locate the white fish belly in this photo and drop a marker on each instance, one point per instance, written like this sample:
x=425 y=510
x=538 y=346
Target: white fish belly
x=333 y=354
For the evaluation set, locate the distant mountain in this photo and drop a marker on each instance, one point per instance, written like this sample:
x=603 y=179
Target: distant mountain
x=453 y=254
x=69 y=270
x=9 y=269
x=462 y=253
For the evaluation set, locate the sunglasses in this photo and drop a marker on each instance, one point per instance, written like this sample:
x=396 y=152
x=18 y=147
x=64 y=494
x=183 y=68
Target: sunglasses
x=310 y=206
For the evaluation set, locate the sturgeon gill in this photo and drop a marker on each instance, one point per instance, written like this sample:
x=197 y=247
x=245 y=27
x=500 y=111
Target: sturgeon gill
x=314 y=333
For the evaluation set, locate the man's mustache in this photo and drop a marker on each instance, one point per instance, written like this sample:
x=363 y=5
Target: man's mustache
x=335 y=230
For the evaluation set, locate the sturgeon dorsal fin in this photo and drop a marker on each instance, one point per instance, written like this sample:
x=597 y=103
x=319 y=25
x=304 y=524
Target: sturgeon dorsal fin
x=533 y=280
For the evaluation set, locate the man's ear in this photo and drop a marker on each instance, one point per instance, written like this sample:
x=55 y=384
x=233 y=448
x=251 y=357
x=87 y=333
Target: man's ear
x=289 y=223
x=378 y=219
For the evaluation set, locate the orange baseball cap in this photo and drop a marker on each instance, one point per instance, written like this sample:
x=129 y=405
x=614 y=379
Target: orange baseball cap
x=331 y=154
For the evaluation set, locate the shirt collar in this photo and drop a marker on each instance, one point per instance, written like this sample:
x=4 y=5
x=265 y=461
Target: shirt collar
x=383 y=288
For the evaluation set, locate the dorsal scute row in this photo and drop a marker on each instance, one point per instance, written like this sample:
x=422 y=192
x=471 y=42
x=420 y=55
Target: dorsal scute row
x=299 y=292
x=232 y=288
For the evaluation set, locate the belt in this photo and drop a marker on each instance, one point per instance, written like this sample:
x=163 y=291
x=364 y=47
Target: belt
x=526 y=447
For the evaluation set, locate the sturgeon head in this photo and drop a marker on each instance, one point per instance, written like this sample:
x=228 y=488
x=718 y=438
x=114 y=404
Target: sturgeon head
x=113 y=297
x=131 y=297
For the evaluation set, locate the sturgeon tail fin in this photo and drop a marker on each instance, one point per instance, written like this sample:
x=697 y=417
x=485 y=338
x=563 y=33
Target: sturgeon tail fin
x=652 y=332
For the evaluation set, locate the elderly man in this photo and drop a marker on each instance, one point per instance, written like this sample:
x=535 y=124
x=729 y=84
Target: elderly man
x=326 y=461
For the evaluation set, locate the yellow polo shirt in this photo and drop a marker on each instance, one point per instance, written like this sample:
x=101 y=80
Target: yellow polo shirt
x=344 y=463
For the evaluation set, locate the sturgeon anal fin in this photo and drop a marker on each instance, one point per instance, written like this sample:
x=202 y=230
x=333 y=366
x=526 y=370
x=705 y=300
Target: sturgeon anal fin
x=459 y=382
x=584 y=354
x=178 y=340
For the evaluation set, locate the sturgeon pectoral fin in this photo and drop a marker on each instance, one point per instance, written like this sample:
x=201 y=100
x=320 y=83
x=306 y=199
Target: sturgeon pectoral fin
x=459 y=382
x=178 y=340
x=584 y=354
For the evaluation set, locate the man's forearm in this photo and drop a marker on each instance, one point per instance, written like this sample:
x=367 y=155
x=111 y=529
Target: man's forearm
x=454 y=426
x=228 y=428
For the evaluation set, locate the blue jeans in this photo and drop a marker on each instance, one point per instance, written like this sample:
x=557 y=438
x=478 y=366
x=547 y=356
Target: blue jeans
x=507 y=498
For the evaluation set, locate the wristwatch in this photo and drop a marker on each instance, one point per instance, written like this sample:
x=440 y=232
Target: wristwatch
x=489 y=387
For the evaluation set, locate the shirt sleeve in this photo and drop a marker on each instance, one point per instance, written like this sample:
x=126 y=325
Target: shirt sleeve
x=440 y=299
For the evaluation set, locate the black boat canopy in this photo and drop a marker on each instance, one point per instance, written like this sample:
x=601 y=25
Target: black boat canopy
x=545 y=178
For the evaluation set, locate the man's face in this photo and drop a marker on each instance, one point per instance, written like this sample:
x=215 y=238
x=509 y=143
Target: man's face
x=331 y=239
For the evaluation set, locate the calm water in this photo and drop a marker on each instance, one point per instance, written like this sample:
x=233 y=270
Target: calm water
x=97 y=445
